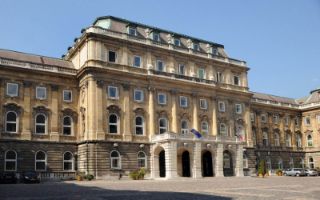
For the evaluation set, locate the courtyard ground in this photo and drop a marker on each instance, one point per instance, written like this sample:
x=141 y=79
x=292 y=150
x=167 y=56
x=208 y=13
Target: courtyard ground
x=184 y=188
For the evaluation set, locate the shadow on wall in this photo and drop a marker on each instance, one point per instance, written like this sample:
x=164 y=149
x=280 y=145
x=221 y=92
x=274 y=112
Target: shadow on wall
x=64 y=190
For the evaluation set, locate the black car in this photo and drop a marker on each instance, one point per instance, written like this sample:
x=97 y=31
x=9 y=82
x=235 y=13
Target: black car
x=8 y=177
x=29 y=177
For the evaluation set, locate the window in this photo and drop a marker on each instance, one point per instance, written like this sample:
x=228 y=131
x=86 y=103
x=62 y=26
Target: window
x=264 y=118
x=265 y=140
x=156 y=37
x=223 y=129
x=40 y=161
x=252 y=117
x=196 y=47
x=236 y=80
x=137 y=61
x=160 y=66
x=276 y=139
x=280 y=163
x=221 y=106
x=113 y=92
x=67 y=125
x=142 y=159
x=113 y=124
x=296 y=121
x=162 y=98
x=67 y=161
x=286 y=121
x=245 y=160
x=177 y=42
x=67 y=95
x=163 y=125
x=115 y=160
x=219 y=77
x=311 y=163
x=10 y=163
x=203 y=104
x=41 y=93
x=204 y=128
x=201 y=73
x=288 y=140
x=138 y=95
x=12 y=89
x=183 y=102
x=276 y=119
x=41 y=124
x=299 y=140
x=309 y=140
x=307 y=121
x=132 y=31
x=112 y=56
x=238 y=108
x=182 y=69
x=139 y=125
x=11 y=122
x=291 y=162
x=184 y=127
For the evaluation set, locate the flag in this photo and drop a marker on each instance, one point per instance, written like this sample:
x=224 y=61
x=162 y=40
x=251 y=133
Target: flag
x=196 y=133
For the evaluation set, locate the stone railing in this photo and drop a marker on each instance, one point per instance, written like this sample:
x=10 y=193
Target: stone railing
x=36 y=66
x=274 y=103
x=57 y=175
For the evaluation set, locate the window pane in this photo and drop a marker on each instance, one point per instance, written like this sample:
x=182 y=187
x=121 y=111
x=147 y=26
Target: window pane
x=67 y=95
x=41 y=119
x=115 y=163
x=67 y=121
x=113 y=119
x=40 y=166
x=112 y=56
x=11 y=127
x=67 y=166
x=112 y=92
x=114 y=154
x=12 y=89
x=139 y=121
x=67 y=156
x=41 y=155
x=141 y=163
x=41 y=92
x=11 y=155
x=10 y=165
x=11 y=116
x=137 y=61
x=139 y=130
x=113 y=129
x=67 y=131
x=40 y=129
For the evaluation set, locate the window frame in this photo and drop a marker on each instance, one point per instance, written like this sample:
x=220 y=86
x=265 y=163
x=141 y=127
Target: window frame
x=63 y=93
x=238 y=79
x=144 y=159
x=177 y=42
x=11 y=122
x=141 y=93
x=219 y=77
x=134 y=61
x=276 y=139
x=45 y=92
x=118 y=158
x=17 y=89
x=40 y=161
x=115 y=56
x=223 y=108
x=265 y=137
x=238 y=105
x=203 y=104
x=183 y=99
x=67 y=126
x=116 y=92
x=309 y=141
x=68 y=161
x=225 y=132
x=134 y=29
x=45 y=124
x=288 y=140
x=204 y=131
x=307 y=120
x=182 y=72
x=156 y=36
x=196 y=46
x=165 y=98
x=163 y=65
x=162 y=127
x=10 y=160
x=184 y=130
x=116 y=124
x=263 y=118
x=139 y=126
x=203 y=73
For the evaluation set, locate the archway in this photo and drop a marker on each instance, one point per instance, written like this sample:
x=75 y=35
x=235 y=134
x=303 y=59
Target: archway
x=227 y=164
x=162 y=164
x=185 y=164
x=207 y=167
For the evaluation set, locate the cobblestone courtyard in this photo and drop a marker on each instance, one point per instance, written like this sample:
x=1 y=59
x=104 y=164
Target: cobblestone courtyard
x=201 y=189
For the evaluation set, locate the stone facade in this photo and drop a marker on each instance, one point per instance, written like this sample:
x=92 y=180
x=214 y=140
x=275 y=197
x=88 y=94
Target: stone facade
x=126 y=95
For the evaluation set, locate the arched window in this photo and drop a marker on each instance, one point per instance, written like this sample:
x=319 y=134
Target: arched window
x=204 y=128
x=67 y=125
x=10 y=162
x=245 y=160
x=280 y=163
x=184 y=127
x=311 y=163
x=67 y=161
x=41 y=124
x=163 y=125
x=265 y=139
x=142 y=159
x=288 y=140
x=291 y=162
x=11 y=122
x=310 y=142
x=276 y=139
x=115 y=160
x=40 y=161
x=113 y=124
x=299 y=140
x=139 y=123
x=223 y=129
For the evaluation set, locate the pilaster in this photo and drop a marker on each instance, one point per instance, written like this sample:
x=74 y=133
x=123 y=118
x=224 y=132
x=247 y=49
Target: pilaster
x=127 y=113
x=239 y=161
x=196 y=170
x=54 y=133
x=171 y=160
x=27 y=114
x=151 y=113
x=101 y=135
x=214 y=117
x=219 y=161
x=195 y=123
x=248 y=125
x=174 y=111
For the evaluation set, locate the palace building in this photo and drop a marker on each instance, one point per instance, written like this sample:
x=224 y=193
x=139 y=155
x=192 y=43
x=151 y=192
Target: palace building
x=126 y=95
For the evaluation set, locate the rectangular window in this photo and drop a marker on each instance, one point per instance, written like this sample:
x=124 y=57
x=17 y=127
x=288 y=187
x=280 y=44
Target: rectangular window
x=219 y=77
x=181 y=69
x=252 y=117
x=177 y=42
x=160 y=65
x=12 y=89
x=183 y=102
x=156 y=37
x=236 y=80
x=138 y=95
x=132 y=31
x=203 y=104
x=263 y=118
x=113 y=92
x=275 y=119
x=286 y=121
x=201 y=73
x=137 y=61
x=112 y=55
x=238 y=108
x=41 y=93
x=162 y=98
x=67 y=95
x=221 y=106
x=307 y=121
x=196 y=47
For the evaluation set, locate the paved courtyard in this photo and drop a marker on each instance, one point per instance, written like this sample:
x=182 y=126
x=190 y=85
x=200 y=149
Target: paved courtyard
x=202 y=189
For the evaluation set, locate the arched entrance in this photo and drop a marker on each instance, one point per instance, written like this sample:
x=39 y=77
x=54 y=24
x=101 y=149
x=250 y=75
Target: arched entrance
x=162 y=164
x=185 y=164
x=227 y=164
x=207 y=168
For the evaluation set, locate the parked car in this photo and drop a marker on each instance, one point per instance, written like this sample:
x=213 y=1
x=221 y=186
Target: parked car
x=8 y=177
x=30 y=177
x=295 y=172
x=312 y=172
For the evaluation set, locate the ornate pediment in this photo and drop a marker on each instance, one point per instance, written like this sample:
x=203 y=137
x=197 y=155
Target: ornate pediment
x=41 y=109
x=69 y=112
x=12 y=107
x=139 y=111
x=114 y=109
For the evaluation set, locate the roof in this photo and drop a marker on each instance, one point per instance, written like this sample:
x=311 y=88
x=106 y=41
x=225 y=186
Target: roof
x=270 y=97
x=312 y=98
x=156 y=28
x=32 y=58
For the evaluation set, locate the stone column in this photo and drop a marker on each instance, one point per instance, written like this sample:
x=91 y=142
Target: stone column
x=195 y=122
x=101 y=135
x=171 y=159
x=127 y=113
x=152 y=122
x=219 y=161
x=292 y=129
x=248 y=125
x=282 y=132
x=258 y=130
x=54 y=133
x=239 y=160
x=214 y=117
x=27 y=112
x=196 y=169
x=174 y=111
x=91 y=110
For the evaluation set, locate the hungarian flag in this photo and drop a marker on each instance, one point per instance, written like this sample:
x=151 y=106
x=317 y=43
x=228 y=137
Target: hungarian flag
x=196 y=133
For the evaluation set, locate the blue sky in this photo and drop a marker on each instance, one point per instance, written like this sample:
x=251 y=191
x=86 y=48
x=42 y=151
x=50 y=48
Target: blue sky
x=280 y=40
